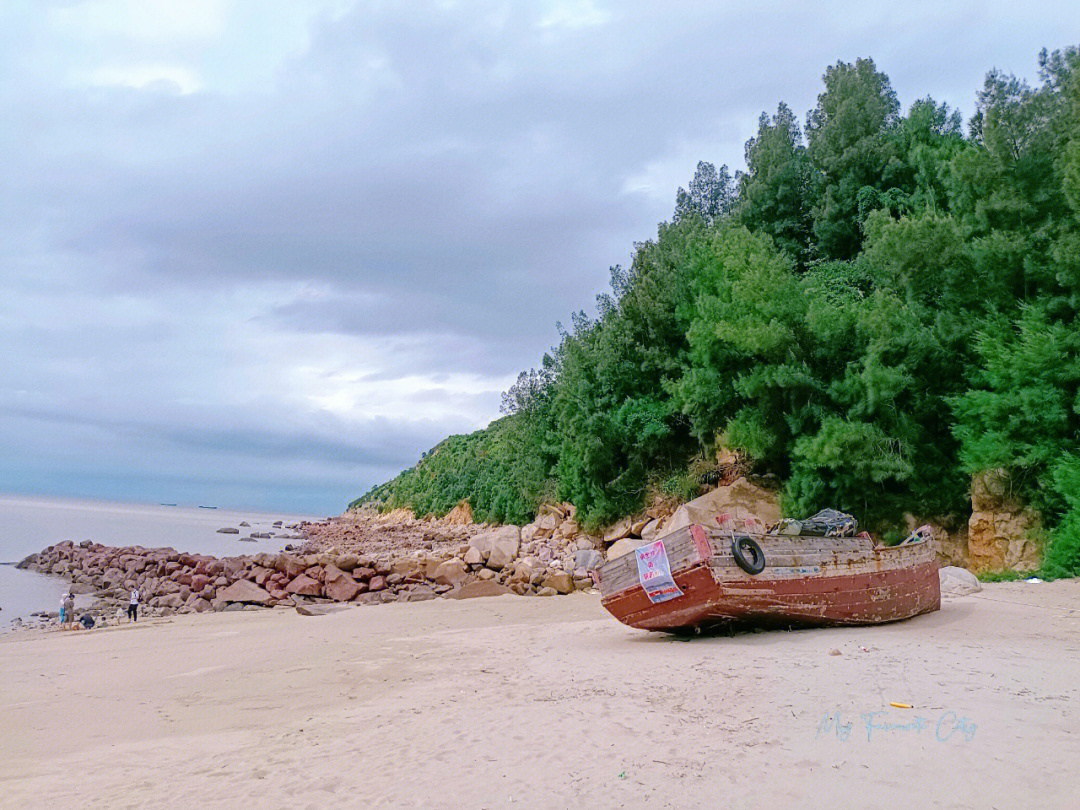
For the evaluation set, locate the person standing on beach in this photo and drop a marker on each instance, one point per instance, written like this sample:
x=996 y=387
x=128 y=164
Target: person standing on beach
x=69 y=610
x=63 y=607
x=133 y=606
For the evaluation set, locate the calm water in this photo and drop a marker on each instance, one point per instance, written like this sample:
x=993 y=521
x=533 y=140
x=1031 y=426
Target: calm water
x=29 y=524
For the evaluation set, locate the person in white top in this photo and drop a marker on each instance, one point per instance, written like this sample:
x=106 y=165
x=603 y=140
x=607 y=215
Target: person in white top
x=133 y=606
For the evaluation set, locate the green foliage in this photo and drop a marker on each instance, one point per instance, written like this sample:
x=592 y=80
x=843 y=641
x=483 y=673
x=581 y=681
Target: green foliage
x=496 y=470
x=871 y=316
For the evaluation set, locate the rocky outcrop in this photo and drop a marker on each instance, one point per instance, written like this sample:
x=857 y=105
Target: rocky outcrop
x=1002 y=532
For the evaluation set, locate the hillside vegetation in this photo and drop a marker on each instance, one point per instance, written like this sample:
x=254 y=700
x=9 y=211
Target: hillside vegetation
x=882 y=305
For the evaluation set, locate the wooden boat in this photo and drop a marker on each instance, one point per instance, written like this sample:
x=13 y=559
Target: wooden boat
x=692 y=578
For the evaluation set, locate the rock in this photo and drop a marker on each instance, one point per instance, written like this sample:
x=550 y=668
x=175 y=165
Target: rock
x=342 y=589
x=505 y=543
x=244 y=591
x=473 y=556
x=589 y=559
x=740 y=499
x=1004 y=540
x=320 y=610
x=547 y=591
x=377 y=583
x=992 y=491
x=304 y=586
x=486 y=573
x=450 y=572
x=347 y=562
x=560 y=581
x=957 y=581
x=546 y=524
x=460 y=515
x=834 y=651
x=228 y=530
x=170 y=601
x=260 y=535
x=477 y=589
x=420 y=593
x=621 y=547
x=244 y=523
x=950 y=545
x=523 y=570
x=650 y=531
x=568 y=529
x=618 y=531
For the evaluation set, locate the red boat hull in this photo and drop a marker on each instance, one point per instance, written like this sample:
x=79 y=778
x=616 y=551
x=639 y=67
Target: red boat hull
x=851 y=586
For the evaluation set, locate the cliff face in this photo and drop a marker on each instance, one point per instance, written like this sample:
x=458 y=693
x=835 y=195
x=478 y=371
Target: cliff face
x=1003 y=534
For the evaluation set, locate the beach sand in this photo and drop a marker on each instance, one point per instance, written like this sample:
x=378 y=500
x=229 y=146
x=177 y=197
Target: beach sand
x=547 y=703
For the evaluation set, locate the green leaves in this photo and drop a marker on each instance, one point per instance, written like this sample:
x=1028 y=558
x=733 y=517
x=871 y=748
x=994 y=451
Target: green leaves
x=872 y=317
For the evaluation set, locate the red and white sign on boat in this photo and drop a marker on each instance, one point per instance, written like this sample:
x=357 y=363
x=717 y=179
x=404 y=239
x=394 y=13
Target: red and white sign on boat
x=654 y=573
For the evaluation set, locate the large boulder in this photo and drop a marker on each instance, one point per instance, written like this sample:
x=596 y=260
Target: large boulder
x=450 y=572
x=622 y=547
x=505 y=544
x=589 y=559
x=618 y=530
x=560 y=581
x=304 y=585
x=740 y=499
x=342 y=589
x=478 y=588
x=244 y=590
x=957 y=581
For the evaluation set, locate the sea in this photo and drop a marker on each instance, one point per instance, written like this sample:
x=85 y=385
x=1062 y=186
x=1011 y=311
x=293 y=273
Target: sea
x=29 y=524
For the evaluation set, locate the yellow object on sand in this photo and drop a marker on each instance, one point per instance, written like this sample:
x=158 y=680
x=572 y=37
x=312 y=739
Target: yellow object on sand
x=901 y=705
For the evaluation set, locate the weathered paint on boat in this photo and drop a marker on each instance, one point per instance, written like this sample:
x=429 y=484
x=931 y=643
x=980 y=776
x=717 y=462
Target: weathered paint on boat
x=809 y=581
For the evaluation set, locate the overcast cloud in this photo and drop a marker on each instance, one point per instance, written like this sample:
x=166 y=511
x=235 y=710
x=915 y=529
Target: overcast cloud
x=265 y=253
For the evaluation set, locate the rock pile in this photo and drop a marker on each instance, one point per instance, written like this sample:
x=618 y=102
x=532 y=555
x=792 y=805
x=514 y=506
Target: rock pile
x=492 y=561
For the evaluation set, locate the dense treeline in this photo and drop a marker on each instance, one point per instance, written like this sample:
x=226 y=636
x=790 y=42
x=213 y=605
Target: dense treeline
x=880 y=306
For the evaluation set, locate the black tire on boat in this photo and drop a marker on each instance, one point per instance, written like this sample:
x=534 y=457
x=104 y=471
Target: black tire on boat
x=740 y=546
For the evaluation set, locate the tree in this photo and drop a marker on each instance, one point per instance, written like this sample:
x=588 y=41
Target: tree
x=711 y=195
x=847 y=144
x=774 y=192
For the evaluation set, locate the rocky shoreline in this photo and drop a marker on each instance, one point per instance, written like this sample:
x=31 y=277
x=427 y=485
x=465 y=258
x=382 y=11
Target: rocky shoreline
x=364 y=557
x=406 y=560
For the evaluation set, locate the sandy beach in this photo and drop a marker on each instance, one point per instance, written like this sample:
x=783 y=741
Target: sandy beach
x=528 y=702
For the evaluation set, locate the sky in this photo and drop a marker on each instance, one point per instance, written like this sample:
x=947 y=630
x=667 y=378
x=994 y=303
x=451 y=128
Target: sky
x=264 y=253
